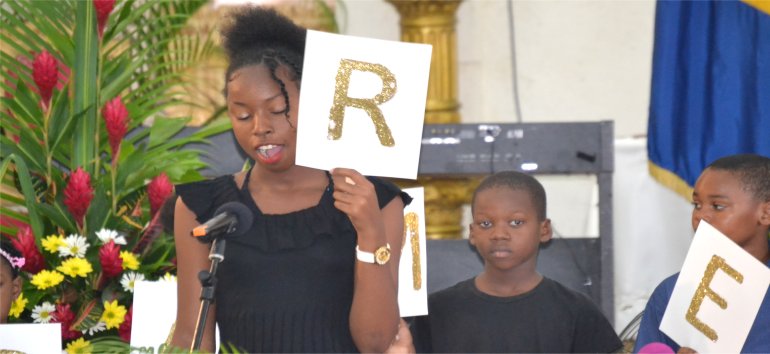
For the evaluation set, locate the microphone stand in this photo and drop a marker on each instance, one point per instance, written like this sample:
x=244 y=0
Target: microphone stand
x=208 y=281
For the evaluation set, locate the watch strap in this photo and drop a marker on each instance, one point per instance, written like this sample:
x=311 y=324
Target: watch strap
x=363 y=256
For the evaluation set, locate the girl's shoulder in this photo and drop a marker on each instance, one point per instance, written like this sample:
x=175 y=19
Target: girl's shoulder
x=387 y=190
x=204 y=197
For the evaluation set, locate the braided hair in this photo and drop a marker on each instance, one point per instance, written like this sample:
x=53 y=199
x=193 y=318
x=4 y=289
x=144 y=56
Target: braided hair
x=258 y=35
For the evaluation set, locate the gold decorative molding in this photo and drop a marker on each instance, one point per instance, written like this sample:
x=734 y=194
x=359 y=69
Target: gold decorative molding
x=444 y=199
x=433 y=22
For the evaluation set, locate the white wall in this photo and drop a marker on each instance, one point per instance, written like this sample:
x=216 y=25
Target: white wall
x=577 y=61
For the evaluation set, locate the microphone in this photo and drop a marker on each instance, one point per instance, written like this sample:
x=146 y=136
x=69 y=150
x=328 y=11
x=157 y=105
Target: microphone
x=656 y=348
x=231 y=218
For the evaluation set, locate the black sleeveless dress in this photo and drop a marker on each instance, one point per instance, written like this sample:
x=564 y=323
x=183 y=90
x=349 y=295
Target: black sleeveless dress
x=287 y=284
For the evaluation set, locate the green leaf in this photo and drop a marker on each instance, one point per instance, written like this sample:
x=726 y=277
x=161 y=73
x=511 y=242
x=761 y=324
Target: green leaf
x=163 y=129
x=26 y=189
x=100 y=209
x=15 y=24
x=13 y=215
x=47 y=17
x=25 y=106
x=11 y=198
x=58 y=215
x=23 y=150
x=85 y=86
x=8 y=230
x=62 y=126
x=109 y=344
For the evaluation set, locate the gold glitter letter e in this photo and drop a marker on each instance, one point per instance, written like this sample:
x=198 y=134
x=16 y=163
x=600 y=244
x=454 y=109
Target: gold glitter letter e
x=704 y=290
x=341 y=99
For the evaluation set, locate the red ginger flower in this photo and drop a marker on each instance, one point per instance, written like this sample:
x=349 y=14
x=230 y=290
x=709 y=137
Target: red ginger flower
x=78 y=194
x=109 y=257
x=103 y=9
x=115 y=114
x=25 y=243
x=66 y=317
x=125 y=328
x=158 y=190
x=45 y=72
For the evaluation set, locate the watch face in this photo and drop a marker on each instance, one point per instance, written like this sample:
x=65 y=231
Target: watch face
x=382 y=255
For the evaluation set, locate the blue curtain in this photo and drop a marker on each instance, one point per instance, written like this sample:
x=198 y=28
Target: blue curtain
x=710 y=85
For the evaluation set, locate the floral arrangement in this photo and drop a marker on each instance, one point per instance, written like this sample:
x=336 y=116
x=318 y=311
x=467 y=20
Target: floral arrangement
x=84 y=181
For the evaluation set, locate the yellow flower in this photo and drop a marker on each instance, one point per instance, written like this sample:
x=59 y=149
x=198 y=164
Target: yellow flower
x=79 y=346
x=129 y=260
x=46 y=279
x=113 y=314
x=52 y=242
x=17 y=307
x=75 y=267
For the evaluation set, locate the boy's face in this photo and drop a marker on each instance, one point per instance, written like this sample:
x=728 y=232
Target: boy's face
x=720 y=200
x=506 y=230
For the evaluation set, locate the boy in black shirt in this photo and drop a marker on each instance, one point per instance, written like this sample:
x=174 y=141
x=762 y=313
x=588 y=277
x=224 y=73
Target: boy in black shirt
x=510 y=307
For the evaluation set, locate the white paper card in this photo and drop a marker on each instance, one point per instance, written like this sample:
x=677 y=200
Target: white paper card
x=31 y=338
x=338 y=123
x=736 y=277
x=412 y=273
x=154 y=314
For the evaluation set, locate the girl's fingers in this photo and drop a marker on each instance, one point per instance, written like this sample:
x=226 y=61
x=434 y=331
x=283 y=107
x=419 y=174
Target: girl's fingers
x=347 y=176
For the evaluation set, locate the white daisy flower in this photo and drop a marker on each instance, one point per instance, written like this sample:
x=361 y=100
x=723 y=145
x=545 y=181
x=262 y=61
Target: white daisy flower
x=105 y=235
x=43 y=313
x=75 y=246
x=98 y=327
x=129 y=279
x=168 y=277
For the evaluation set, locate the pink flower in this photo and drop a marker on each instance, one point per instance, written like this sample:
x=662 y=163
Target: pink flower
x=103 y=9
x=158 y=190
x=78 y=194
x=25 y=243
x=115 y=114
x=125 y=328
x=45 y=72
x=109 y=257
x=66 y=317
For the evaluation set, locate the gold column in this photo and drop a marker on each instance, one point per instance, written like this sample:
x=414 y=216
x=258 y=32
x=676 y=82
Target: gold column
x=433 y=22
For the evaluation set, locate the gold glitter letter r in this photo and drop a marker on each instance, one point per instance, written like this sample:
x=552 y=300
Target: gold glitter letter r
x=341 y=99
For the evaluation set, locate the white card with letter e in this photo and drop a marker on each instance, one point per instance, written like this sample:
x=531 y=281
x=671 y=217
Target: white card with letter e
x=362 y=104
x=717 y=296
x=412 y=272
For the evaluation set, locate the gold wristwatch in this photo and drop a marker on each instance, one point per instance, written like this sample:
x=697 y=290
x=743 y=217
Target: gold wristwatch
x=380 y=256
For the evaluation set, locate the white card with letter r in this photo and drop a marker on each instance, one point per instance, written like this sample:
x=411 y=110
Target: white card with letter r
x=717 y=296
x=362 y=104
